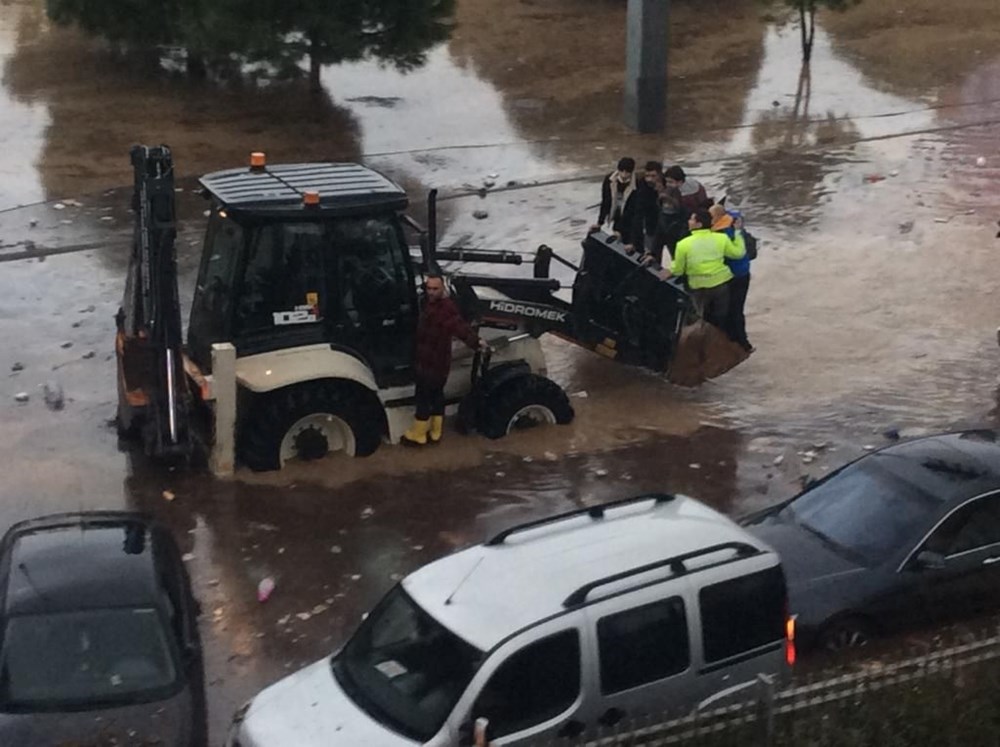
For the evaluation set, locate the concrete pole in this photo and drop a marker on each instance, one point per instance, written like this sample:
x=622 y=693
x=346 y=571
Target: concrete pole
x=646 y=64
x=223 y=457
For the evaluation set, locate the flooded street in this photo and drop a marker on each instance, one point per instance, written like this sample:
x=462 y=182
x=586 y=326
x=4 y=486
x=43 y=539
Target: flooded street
x=873 y=183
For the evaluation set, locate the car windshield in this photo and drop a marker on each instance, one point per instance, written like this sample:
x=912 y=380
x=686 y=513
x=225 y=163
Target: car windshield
x=404 y=668
x=91 y=657
x=865 y=510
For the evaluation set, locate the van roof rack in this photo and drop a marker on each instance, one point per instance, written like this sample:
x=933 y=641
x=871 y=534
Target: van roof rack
x=676 y=563
x=594 y=512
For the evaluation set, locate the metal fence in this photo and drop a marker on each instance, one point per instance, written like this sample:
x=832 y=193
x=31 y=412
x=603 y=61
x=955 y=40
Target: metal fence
x=947 y=696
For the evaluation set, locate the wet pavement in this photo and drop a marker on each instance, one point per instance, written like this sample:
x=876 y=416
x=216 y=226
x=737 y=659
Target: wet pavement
x=873 y=302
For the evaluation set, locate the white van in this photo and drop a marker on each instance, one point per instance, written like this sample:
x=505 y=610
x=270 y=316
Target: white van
x=630 y=607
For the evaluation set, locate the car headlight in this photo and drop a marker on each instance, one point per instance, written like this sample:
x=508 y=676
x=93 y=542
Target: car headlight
x=234 y=727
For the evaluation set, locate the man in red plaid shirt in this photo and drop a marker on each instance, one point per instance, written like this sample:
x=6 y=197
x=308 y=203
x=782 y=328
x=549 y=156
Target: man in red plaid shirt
x=440 y=322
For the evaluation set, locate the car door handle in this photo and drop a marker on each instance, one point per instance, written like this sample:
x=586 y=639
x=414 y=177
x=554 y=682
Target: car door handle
x=991 y=561
x=611 y=717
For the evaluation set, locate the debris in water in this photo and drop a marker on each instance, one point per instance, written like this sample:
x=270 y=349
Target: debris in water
x=264 y=589
x=87 y=356
x=494 y=177
x=480 y=214
x=694 y=465
x=981 y=161
x=319 y=609
x=943 y=220
x=778 y=460
x=582 y=394
x=417 y=548
x=88 y=309
x=169 y=495
x=551 y=456
x=59 y=206
x=906 y=227
x=356 y=577
x=891 y=433
x=527 y=460
x=74 y=203
x=894 y=173
x=66 y=345
x=872 y=178
x=187 y=557
x=868 y=447
x=53 y=395
x=17 y=367
x=33 y=222
x=22 y=397
x=489 y=184
x=601 y=472
x=303 y=616
x=501 y=474
x=107 y=218
x=335 y=549
x=367 y=512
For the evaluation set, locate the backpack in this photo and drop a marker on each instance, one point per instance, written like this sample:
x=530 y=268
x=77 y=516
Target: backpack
x=750 y=242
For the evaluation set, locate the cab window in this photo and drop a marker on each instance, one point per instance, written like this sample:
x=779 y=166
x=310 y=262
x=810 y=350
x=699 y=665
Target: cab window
x=534 y=685
x=371 y=270
x=283 y=278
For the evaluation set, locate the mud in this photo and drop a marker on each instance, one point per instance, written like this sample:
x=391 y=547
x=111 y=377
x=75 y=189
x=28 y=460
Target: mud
x=872 y=305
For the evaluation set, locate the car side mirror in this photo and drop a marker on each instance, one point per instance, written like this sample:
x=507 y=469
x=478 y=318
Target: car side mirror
x=928 y=560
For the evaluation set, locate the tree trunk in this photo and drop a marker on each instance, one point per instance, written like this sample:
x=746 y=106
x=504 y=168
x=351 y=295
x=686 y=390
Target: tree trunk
x=315 y=85
x=196 y=67
x=807 y=27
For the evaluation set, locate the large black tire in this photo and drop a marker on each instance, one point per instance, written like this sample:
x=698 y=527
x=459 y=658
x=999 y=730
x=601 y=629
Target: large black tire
x=530 y=398
x=272 y=416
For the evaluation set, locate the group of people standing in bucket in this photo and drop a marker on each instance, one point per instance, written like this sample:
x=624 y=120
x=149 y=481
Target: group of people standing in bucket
x=707 y=245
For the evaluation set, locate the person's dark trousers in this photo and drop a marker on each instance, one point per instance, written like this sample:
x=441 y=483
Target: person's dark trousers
x=429 y=400
x=713 y=303
x=736 y=326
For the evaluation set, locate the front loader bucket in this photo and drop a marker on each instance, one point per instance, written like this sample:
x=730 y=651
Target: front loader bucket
x=702 y=352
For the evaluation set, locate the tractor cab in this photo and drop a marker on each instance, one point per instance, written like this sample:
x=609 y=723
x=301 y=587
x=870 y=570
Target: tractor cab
x=306 y=254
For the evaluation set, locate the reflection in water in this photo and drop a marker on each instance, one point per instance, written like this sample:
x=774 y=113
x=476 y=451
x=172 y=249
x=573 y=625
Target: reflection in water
x=267 y=42
x=22 y=121
x=561 y=67
x=99 y=107
x=917 y=48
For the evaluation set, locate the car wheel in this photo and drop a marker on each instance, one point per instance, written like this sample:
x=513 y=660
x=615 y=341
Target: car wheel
x=846 y=634
x=307 y=421
x=523 y=402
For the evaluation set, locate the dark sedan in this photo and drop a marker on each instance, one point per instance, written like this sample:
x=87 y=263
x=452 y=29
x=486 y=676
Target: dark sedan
x=99 y=635
x=903 y=537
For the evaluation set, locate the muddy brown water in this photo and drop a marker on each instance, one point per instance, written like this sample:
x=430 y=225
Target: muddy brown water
x=873 y=303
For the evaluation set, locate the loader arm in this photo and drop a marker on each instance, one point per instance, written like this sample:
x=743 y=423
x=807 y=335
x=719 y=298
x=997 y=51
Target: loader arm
x=153 y=395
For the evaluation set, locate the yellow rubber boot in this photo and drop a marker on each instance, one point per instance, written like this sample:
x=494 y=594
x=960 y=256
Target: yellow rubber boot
x=417 y=435
x=437 y=428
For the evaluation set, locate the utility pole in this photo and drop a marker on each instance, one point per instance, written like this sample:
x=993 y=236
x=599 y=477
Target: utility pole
x=646 y=64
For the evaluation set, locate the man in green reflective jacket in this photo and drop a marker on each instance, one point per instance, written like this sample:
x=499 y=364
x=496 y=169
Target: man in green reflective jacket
x=701 y=258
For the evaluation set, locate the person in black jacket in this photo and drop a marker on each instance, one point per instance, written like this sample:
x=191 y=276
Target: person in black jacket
x=648 y=194
x=619 y=206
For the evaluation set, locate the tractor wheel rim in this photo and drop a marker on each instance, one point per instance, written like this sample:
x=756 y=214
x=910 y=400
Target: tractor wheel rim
x=530 y=416
x=336 y=432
